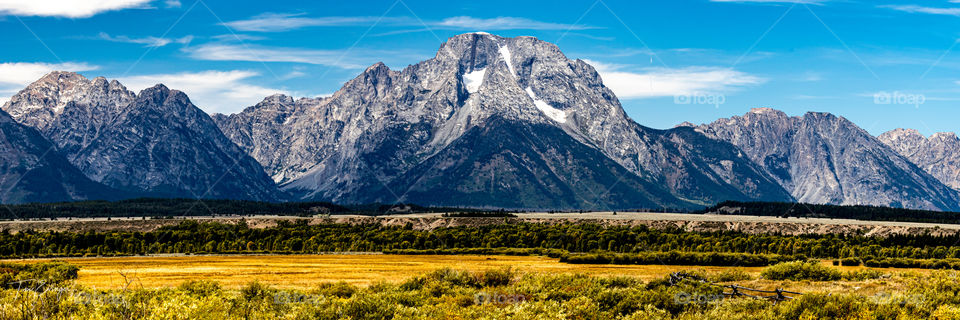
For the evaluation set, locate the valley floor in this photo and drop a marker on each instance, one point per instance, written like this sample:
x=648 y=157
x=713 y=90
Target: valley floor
x=308 y=271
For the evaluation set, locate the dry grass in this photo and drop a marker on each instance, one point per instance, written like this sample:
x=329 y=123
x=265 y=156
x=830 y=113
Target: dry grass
x=306 y=271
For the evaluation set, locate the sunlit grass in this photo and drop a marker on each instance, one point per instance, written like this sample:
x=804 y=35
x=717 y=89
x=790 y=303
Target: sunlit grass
x=307 y=271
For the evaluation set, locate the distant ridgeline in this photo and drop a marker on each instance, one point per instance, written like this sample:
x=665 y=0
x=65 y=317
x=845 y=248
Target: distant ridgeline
x=787 y=209
x=149 y=207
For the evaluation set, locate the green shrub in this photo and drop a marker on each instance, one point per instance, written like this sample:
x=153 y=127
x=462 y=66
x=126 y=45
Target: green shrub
x=338 y=289
x=36 y=276
x=256 y=291
x=494 y=277
x=861 y=275
x=730 y=275
x=201 y=288
x=852 y=262
x=801 y=270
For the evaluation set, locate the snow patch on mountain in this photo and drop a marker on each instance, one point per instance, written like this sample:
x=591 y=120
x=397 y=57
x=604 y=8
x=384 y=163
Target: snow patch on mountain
x=505 y=54
x=474 y=79
x=551 y=112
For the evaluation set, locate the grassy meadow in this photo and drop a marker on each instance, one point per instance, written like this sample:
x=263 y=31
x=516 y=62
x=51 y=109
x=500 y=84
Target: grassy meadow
x=477 y=288
x=508 y=271
x=307 y=271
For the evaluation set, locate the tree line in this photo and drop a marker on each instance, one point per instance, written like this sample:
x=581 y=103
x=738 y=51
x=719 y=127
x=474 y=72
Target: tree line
x=806 y=210
x=192 y=237
x=166 y=208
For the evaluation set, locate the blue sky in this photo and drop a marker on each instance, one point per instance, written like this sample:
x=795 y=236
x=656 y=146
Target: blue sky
x=883 y=65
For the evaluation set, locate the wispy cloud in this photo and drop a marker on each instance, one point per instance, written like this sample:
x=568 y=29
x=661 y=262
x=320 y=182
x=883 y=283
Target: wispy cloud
x=817 y=2
x=922 y=9
x=503 y=23
x=65 y=8
x=212 y=91
x=666 y=82
x=238 y=37
x=810 y=76
x=145 y=41
x=14 y=76
x=276 y=22
x=231 y=52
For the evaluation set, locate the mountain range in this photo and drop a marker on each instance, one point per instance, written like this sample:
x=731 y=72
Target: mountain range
x=487 y=122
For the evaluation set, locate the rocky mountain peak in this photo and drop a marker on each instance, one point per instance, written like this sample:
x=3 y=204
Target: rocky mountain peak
x=390 y=127
x=904 y=132
x=938 y=155
x=766 y=111
x=59 y=78
x=823 y=158
x=155 y=142
x=824 y=116
x=944 y=136
x=60 y=95
x=277 y=98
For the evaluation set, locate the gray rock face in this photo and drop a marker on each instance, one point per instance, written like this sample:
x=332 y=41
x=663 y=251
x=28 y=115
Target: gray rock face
x=938 y=155
x=384 y=123
x=155 y=142
x=31 y=170
x=821 y=158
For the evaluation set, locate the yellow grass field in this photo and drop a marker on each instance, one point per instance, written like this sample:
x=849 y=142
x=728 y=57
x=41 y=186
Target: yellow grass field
x=306 y=271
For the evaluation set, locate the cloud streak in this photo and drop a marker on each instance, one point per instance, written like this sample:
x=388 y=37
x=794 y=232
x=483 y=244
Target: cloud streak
x=816 y=2
x=154 y=42
x=213 y=91
x=503 y=23
x=278 y=22
x=667 y=82
x=66 y=8
x=231 y=52
x=927 y=10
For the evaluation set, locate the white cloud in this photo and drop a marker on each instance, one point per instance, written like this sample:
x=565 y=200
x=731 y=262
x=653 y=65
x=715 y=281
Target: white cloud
x=14 y=76
x=172 y=3
x=238 y=37
x=275 y=22
x=774 y=1
x=229 y=52
x=927 y=10
x=146 y=41
x=503 y=23
x=811 y=76
x=65 y=8
x=665 y=82
x=212 y=91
